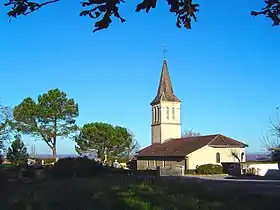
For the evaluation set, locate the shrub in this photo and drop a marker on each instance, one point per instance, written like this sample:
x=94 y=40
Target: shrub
x=252 y=171
x=76 y=167
x=209 y=169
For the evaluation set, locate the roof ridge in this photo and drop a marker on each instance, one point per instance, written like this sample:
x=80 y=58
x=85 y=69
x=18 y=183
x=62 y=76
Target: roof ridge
x=222 y=137
x=216 y=136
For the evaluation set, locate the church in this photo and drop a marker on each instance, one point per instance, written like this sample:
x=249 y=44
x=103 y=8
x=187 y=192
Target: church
x=169 y=149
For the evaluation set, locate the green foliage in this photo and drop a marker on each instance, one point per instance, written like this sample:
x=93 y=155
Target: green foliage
x=209 y=169
x=51 y=117
x=114 y=141
x=76 y=167
x=104 y=10
x=5 y=125
x=17 y=153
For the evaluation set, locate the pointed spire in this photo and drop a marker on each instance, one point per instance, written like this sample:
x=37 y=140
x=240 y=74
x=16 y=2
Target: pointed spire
x=165 y=90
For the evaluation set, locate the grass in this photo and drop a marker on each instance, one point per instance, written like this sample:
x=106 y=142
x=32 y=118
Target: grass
x=125 y=192
x=5 y=166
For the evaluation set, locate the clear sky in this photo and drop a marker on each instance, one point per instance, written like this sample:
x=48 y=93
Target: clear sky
x=225 y=70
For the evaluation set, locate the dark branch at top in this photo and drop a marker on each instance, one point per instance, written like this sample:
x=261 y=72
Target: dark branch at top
x=25 y=7
x=104 y=10
x=272 y=11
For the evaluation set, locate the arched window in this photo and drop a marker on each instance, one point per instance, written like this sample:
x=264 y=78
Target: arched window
x=167 y=113
x=157 y=114
x=154 y=114
x=242 y=156
x=218 y=157
x=173 y=113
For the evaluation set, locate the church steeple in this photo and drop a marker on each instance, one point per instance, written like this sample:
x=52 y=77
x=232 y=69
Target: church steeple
x=165 y=89
x=166 y=123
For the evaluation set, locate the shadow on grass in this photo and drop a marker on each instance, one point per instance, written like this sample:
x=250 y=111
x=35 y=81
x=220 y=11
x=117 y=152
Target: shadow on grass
x=123 y=192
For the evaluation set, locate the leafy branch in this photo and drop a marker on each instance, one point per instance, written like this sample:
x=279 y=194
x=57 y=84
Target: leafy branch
x=104 y=10
x=107 y=8
x=271 y=10
x=25 y=7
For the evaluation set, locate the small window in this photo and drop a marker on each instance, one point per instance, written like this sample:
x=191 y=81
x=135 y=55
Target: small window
x=173 y=113
x=167 y=113
x=157 y=114
x=242 y=156
x=218 y=157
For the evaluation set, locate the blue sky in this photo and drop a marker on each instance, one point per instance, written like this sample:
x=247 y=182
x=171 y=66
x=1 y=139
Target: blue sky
x=225 y=70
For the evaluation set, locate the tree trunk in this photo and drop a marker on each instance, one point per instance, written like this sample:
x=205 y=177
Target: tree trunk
x=54 y=152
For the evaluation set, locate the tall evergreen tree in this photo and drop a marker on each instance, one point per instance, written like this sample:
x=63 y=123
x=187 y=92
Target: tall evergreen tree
x=17 y=153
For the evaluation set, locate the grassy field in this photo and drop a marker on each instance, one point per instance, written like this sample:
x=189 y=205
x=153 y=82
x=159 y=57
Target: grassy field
x=124 y=192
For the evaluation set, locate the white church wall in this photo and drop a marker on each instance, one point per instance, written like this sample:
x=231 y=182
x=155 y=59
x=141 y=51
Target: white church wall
x=208 y=155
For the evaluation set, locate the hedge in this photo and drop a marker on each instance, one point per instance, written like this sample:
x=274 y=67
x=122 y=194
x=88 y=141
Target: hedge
x=209 y=169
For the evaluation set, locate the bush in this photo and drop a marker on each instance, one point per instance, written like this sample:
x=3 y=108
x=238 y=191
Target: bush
x=209 y=169
x=1 y=159
x=76 y=167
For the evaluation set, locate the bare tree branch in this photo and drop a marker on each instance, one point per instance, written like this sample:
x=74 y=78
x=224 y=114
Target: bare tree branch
x=271 y=139
x=190 y=133
x=235 y=154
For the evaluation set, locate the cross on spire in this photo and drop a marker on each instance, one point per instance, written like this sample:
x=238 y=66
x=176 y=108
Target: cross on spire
x=164 y=51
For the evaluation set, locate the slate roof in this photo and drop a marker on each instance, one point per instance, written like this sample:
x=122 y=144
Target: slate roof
x=184 y=146
x=165 y=90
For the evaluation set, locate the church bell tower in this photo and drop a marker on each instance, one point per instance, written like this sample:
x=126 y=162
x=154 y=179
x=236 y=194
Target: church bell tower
x=166 y=122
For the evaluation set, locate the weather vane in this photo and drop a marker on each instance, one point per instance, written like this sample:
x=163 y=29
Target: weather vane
x=164 y=51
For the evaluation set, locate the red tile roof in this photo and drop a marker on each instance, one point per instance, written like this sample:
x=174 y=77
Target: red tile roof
x=184 y=146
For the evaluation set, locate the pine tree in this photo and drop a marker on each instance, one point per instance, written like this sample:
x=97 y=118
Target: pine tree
x=17 y=153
